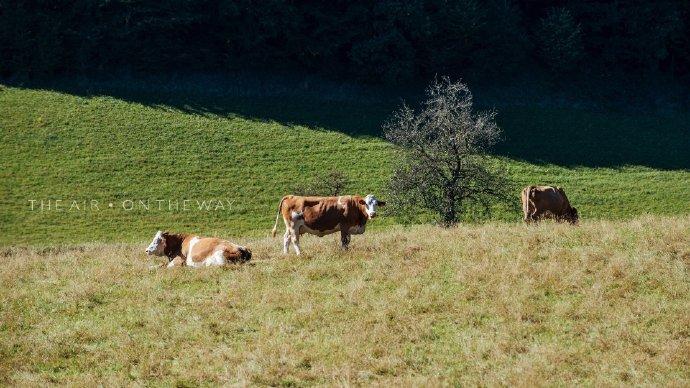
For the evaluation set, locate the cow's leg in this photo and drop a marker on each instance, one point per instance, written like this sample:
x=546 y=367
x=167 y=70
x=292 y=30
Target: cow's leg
x=295 y=241
x=286 y=241
x=533 y=215
x=344 y=238
x=176 y=262
x=530 y=219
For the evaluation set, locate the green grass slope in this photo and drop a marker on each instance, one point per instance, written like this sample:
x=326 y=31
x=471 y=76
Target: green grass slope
x=604 y=304
x=162 y=149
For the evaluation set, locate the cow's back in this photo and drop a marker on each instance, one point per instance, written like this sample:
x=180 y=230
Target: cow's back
x=549 y=198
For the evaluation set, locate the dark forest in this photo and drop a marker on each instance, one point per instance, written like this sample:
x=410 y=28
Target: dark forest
x=389 y=42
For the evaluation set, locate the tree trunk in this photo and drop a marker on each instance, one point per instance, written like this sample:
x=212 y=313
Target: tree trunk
x=449 y=218
x=449 y=214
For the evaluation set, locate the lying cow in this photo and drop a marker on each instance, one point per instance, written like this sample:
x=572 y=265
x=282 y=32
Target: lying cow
x=195 y=251
x=324 y=215
x=539 y=202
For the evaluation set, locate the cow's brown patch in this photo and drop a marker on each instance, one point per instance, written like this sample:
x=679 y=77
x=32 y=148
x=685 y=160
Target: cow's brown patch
x=173 y=244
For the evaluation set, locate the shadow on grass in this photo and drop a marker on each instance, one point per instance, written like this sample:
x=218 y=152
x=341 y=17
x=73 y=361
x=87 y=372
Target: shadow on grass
x=539 y=135
x=595 y=139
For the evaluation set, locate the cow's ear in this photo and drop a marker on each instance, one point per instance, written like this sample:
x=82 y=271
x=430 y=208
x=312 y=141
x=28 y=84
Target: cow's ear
x=361 y=201
x=382 y=203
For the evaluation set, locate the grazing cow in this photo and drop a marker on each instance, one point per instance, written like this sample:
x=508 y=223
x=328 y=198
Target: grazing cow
x=195 y=251
x=324 y=215
x=539 y=202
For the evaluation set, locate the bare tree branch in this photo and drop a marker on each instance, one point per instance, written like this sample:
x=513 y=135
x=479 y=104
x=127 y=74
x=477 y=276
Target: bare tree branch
x=444 y=164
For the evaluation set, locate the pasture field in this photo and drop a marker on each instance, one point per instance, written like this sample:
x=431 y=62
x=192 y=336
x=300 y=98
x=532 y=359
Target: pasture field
x=605 y=303
x=132 y=144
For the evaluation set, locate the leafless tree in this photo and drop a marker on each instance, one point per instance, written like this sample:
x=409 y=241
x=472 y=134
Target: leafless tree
x=444 y=162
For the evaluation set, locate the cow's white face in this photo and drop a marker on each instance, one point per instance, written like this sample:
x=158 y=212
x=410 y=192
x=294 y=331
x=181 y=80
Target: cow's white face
x=372 y=203
x=157 y=246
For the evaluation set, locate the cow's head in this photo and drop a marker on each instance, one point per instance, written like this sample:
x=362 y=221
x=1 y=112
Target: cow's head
x=573 y=217
x=157 y=246
x=371 y=204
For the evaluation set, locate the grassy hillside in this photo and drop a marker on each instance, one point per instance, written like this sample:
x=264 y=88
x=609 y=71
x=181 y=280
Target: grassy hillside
x=162 y=145
x=602 y=304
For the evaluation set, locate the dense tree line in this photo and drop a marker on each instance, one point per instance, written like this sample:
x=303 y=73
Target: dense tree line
x=379 y=41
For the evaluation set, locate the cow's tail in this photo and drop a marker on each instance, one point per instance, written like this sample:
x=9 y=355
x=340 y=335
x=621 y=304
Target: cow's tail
x=275 y=226
x=527 y=192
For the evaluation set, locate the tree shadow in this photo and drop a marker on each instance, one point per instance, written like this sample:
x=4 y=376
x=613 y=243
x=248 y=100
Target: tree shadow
x=322 y=105
x=570 y=137
x=540 y=135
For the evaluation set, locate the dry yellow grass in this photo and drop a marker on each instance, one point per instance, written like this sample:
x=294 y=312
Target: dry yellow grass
x=604 y=303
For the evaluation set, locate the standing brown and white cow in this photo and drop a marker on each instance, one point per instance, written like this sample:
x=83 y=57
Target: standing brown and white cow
x=539 y=202
x=320 y=216
x=195 y=251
